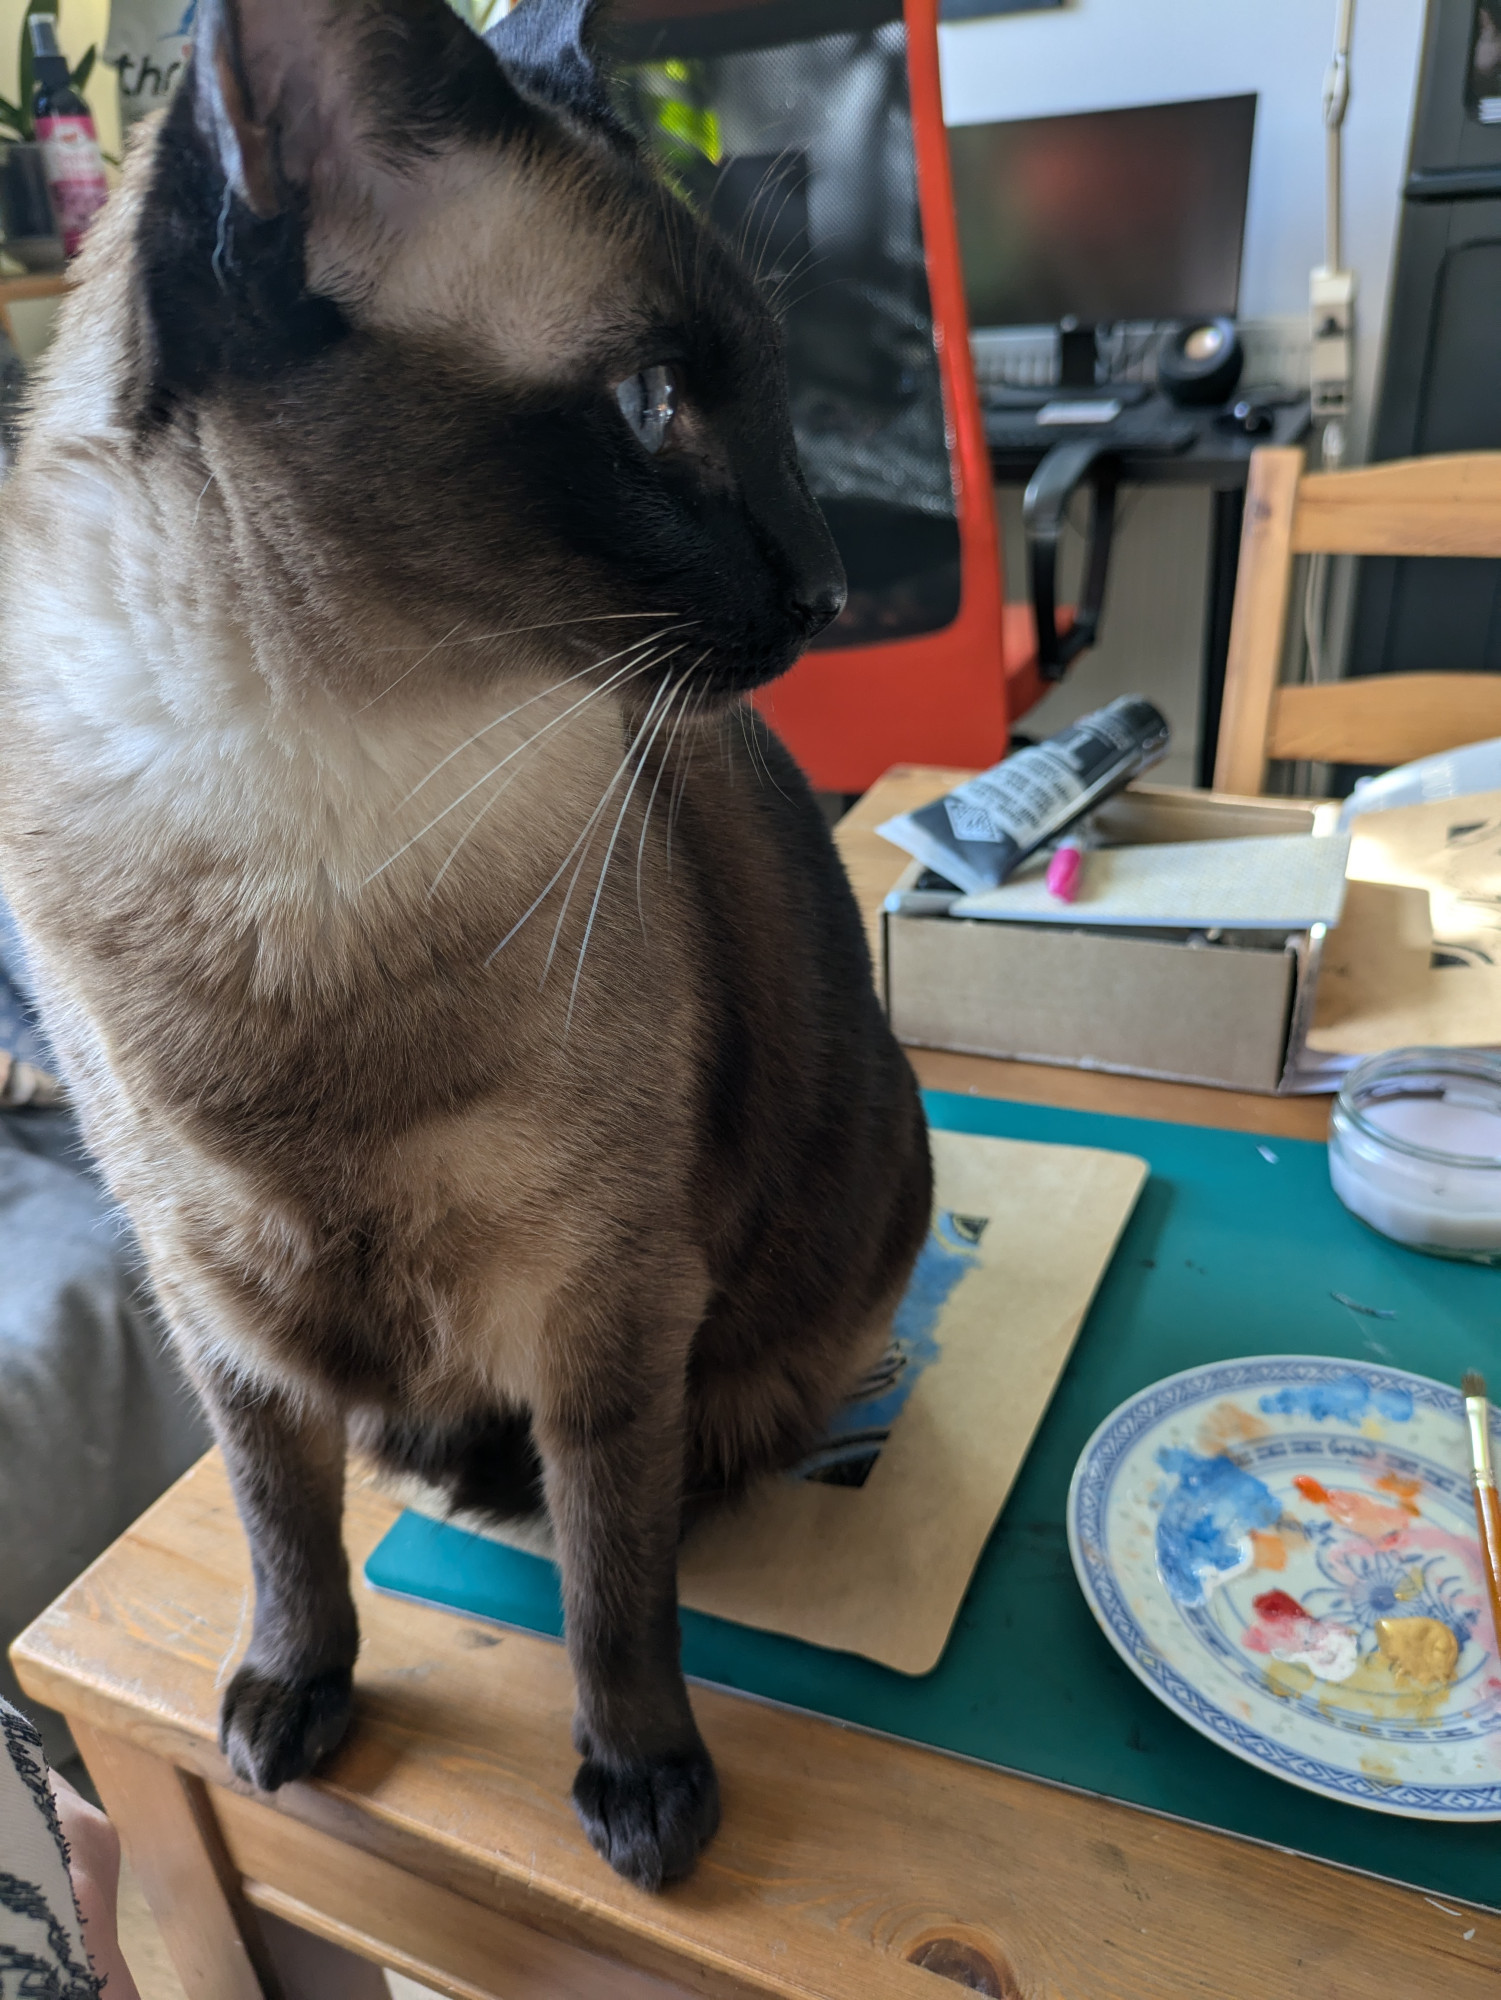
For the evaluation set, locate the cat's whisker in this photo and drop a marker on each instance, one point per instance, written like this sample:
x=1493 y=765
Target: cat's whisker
x=510 y=632
x=786 y=305
x=667 y=207
x=769 y=222
x=557 y=875
x=680 y=782
x=588 y=836
x=515 y=631
x=759 y=759
x=620 y=674
x=643 y=667
x=776 y=298
x=614 y=681
x=422 y=662
x=745 y=738
x=657 y=783
x=542 y=693
x=755 y=214
x=578 y=971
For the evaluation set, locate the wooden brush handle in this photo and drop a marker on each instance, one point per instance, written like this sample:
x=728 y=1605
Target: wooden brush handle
x=1488 y=1518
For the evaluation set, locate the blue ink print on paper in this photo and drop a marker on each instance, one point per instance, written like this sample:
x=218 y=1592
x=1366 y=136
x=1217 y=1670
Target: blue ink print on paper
x=1349 y=1400
x=861 y=1428
x=1205 y=1521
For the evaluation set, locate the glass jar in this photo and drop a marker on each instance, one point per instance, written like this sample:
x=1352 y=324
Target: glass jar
x=1415 y=1149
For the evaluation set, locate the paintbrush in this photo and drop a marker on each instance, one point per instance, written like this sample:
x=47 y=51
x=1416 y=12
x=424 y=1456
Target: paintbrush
x=1487 y=1501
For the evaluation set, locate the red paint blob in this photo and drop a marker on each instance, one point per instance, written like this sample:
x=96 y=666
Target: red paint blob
x=1275 y=1607
x=1310 y=1489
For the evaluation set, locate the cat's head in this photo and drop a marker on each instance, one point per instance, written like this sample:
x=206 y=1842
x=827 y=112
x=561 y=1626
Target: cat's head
x=430 y=314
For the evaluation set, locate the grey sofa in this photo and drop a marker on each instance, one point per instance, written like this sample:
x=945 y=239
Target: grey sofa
x=95 y=1417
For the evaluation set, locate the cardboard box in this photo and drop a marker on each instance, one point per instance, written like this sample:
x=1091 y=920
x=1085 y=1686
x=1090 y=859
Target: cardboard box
x=1154 y=1005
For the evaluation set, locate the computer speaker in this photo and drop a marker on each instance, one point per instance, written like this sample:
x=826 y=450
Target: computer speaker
x=1199 y=361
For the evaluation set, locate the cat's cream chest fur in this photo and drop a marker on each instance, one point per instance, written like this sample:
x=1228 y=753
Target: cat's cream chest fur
x=183 y=747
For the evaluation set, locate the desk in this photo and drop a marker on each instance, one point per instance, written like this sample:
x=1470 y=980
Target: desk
x=440 y=1840
x=1221 y=462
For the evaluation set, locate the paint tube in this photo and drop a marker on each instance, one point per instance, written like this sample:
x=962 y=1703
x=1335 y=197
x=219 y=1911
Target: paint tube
x=977 y=835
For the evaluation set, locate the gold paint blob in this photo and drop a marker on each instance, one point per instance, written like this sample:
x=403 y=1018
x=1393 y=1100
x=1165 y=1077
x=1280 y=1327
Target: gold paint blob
x=1287 y=1678
x=1375 y=1689
x=1421 y=1652
x=1270 y=1550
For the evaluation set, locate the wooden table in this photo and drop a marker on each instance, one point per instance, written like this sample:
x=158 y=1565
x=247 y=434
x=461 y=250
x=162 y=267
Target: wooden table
x=440 y=1840
x=33 y=285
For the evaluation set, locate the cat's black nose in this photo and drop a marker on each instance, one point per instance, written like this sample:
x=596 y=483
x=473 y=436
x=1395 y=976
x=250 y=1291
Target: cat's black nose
x=818 y=606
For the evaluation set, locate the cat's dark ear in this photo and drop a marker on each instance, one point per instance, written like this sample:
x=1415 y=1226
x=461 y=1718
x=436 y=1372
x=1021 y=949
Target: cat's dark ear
x=297 y=96
x=550 y=51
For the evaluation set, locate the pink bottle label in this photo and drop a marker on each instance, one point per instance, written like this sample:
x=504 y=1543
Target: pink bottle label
x=75 y=174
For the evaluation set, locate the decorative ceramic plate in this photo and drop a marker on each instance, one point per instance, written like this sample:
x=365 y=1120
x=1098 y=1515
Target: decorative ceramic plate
x=1284 y=1549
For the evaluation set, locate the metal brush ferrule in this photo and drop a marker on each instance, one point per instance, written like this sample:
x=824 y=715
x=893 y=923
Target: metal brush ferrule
x=1477 y=1409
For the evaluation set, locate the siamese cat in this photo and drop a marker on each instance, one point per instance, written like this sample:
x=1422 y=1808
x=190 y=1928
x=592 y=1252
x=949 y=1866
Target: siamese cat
x=455 y=979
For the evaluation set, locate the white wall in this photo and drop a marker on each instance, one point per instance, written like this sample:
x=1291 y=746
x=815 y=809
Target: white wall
x=1097 y=55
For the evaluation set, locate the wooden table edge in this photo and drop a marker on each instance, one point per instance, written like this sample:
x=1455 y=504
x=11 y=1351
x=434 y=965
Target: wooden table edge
x=605 y=1922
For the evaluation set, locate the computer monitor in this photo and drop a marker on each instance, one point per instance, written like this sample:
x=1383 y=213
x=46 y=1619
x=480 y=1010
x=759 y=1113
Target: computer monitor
x=1104 y=215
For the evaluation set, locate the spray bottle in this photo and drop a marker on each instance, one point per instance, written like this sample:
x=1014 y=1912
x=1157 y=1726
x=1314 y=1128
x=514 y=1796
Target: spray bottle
x=70 y=146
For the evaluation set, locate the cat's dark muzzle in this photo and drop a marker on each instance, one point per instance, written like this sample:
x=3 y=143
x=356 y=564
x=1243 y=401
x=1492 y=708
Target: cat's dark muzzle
x=804 y=573
x=749 y=657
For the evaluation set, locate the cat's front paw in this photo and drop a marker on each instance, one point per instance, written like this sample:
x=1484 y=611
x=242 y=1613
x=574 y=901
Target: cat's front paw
x=274 y=1730
x=650 y=1818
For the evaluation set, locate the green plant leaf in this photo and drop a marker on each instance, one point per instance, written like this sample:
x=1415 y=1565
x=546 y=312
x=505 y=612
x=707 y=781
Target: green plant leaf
x=79 y=77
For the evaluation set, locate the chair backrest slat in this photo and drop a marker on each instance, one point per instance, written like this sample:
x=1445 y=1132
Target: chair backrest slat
x=1440 y=506
x=1448 y=505
x=1386 y=718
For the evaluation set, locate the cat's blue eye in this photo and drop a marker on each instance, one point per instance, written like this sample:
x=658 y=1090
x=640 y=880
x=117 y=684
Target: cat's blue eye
x=648 y=402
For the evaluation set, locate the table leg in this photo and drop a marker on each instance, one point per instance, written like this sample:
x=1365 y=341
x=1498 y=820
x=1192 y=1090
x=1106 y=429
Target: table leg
x=167 y=1827
x=1229 y=506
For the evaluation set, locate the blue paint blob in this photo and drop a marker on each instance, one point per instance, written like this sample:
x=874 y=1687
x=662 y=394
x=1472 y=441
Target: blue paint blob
x=858 y=1431
x=1205 y=1520
x=1393 y=1404
x=1349 y=1400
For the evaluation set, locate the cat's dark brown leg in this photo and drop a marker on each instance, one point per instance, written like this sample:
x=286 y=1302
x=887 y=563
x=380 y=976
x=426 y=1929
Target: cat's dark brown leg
x=646 y=1791
x=289 y=1702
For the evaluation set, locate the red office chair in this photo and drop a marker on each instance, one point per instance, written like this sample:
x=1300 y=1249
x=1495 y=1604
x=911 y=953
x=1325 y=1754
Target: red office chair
x=813 y=131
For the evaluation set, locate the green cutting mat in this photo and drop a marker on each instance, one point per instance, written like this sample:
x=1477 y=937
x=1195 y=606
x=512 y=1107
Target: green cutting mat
x=1237 y=1247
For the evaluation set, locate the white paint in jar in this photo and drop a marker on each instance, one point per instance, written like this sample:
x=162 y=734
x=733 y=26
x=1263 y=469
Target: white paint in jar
x=1415 y=1149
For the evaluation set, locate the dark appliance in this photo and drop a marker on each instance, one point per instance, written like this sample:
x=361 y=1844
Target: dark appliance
x=1441 y=384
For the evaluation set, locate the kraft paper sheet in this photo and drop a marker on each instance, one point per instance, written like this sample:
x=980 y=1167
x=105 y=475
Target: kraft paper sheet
x=1416 y=958
x=1021 y=1238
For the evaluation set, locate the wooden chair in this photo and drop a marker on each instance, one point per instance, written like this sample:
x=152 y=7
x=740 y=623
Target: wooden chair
x=1441 y=506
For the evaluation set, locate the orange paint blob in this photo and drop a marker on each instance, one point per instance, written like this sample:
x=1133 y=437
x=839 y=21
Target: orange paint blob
x=1358 y=1512
x=1270 y=1550
x=1403 y=1491
x=1228 y=1424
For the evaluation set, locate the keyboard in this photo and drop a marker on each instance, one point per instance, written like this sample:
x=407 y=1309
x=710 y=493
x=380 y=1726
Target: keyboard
x=1010 y=396
x=1153 y=428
